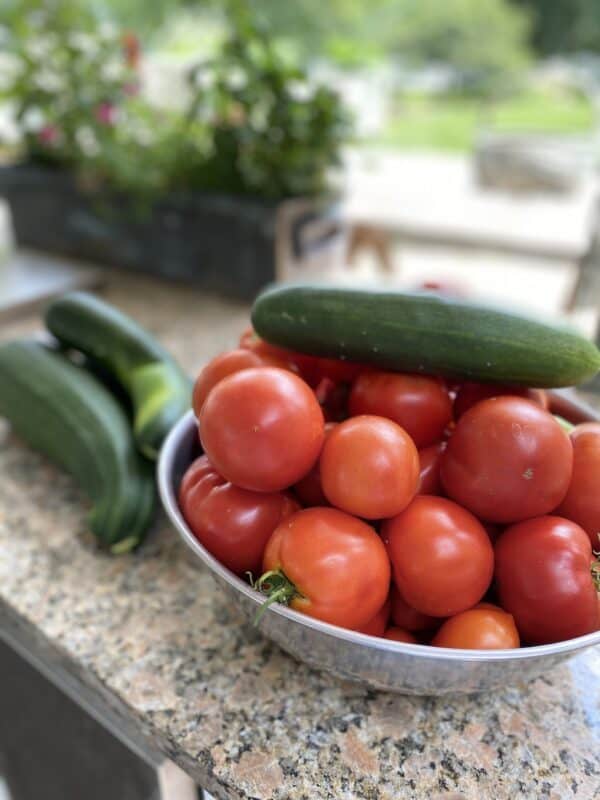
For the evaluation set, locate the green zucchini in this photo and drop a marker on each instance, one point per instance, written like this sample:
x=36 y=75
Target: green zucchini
x=422 y=332
x=65 y=413
x=159 y=390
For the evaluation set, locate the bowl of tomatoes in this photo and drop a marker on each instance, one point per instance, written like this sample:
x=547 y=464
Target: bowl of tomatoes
x=400 y=530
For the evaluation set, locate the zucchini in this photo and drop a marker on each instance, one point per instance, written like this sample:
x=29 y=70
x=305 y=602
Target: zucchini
x=159 y=390
x=65 y=413
x=421 y=332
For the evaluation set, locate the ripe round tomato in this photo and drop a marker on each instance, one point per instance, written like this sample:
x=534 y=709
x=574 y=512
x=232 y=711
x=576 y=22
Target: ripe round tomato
x=233 y=524
x=337 y=370
x=544 y=580
x=369 y=467
x=336 y=566
x=309 y=489
x=419 y=404
x=304 y=364
x=442 y=558
x=408 y=618
x=582 y=502
x=470 y=393
x=262 y=428
x=430 y=459
x=399 y=635
x=507 y=460
x=379 y=623
x=226 y=364
x=197 y=470
x=485 y=627
x=333 y=399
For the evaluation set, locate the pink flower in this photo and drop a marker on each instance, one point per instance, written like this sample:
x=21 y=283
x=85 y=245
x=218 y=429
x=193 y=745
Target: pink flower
x=48 y=135
x=106 y=113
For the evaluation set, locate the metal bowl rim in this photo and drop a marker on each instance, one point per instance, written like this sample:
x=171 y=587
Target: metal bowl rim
x=171 y=506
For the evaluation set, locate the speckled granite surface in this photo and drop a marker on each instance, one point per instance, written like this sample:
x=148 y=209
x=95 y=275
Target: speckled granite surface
x=148 y=633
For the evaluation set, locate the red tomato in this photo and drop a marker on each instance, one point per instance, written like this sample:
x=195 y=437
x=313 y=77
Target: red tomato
x=232 y=523
x=507 y=460
x=544 y=579
x=309 y=489
x=377 y=625
x=493 y=531
x=200 y=467
x=369 y=467
x=430 y=459
x=333 y=399
x=399 y=635
x=485 y=627
x=419 y=404
x=406 y=617
x=226 y=364
x=336 y=565
x=304 y=364
x=471 y=393
x=339 y=371
x=441 y=556
x=582 y=502
x=262 y=428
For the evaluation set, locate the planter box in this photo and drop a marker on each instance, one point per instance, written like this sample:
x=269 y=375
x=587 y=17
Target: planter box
x=224 y=244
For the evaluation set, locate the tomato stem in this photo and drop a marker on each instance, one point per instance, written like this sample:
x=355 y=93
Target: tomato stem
x=564 y=423
x=277 y=587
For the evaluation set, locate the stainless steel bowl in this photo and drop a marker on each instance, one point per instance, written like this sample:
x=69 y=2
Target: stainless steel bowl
x=378 y=663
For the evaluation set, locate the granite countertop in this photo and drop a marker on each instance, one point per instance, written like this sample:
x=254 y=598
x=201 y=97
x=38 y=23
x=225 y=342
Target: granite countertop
x=149 y=635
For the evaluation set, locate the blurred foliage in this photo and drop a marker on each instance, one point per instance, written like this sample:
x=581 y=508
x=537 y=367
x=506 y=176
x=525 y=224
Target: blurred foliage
x=254 y=125
x=485 y=41
x=561 y=26
x=271 y=126
x=452 y=122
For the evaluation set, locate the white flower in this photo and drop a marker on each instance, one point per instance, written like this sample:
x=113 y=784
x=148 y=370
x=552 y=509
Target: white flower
x=33 y=119
x=48 y=81
x=259 y=115
x=143 y=135
x=107 y=30
x=203 y=78
x=83 y=42
x=38 y=47
x=300 y=91
x=87 y=141
x=236 y=79
x=10 y=69
x=112 y=70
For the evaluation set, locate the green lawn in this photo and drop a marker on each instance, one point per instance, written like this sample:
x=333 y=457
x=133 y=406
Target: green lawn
x=451 y=123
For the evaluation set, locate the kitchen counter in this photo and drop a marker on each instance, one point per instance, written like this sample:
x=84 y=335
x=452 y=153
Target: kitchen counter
x=147 y=637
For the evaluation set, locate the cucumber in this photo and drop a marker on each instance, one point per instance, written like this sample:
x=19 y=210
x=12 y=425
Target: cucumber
x=65 y=413
x=420 y=332
x=159 y=390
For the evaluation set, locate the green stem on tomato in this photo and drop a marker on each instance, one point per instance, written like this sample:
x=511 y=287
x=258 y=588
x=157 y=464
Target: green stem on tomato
x=277 y=587
x=564 y=423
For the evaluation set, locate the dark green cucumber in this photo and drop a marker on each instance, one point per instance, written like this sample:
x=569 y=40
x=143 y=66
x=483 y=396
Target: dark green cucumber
x=64 y=412
x=159 y=390
x=422 y=332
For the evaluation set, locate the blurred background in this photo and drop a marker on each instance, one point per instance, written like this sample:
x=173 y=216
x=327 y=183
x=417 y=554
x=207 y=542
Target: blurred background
x=228 y=144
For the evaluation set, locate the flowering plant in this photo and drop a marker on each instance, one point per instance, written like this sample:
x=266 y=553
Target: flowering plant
x=253 y=125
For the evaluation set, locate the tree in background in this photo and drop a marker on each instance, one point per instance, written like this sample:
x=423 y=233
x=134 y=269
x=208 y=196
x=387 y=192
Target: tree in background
x=561 y=26
x=485 y=41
